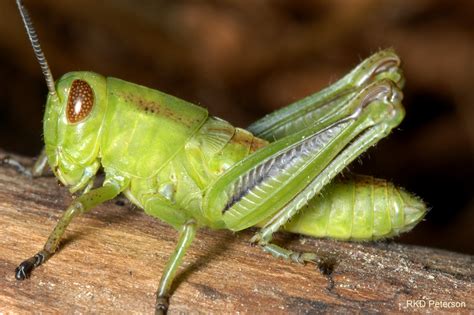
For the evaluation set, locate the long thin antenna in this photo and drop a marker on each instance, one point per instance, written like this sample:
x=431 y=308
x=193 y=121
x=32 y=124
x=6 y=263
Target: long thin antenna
x=30 y=30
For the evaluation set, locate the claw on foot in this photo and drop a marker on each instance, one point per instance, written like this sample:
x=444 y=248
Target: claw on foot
x=16 y=165
x=24 y=270
x=303 y=258
x=161 y=306
x=286 y=254
x=256 y=239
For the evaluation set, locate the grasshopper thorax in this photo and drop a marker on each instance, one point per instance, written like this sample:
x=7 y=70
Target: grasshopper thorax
x=72 y=124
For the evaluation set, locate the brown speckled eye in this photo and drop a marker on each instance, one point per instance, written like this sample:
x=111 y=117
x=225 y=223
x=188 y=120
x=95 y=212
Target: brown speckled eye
x=80 y=101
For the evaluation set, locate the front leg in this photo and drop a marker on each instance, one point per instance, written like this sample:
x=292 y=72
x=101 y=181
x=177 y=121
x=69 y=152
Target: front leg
x=79 y=206
x=275 y=182
x=38 y=169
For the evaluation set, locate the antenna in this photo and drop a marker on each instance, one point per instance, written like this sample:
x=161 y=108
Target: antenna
x=30 y=30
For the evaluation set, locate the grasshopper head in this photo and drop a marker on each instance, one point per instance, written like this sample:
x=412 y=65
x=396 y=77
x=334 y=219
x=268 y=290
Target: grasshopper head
x=74 y=113
x=72 y=125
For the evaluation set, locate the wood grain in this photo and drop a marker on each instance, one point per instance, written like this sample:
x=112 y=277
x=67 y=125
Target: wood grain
x=111 y=260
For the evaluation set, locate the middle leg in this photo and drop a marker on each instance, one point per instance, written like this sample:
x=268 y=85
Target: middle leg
x=186 y=236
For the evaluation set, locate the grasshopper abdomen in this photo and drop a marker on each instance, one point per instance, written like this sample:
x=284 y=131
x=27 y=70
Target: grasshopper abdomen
x=362 y=208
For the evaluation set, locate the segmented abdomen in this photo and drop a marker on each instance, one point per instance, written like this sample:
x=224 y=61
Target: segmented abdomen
x=361 y=208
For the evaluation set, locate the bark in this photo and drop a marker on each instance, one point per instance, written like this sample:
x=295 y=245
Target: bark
x=111 y=260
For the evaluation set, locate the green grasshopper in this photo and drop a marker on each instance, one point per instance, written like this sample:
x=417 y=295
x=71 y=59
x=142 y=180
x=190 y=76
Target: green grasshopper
x=192 y=170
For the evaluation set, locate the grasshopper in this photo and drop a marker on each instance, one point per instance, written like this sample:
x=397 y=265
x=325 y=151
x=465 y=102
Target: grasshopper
x=191 y=170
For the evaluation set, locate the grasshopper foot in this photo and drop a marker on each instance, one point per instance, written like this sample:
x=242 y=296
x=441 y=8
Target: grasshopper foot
x=37 y=170
x=303 y=258
x=24 y=270
x=286 y=254
x=162 y=303
x=280 y=252
x=23 y=170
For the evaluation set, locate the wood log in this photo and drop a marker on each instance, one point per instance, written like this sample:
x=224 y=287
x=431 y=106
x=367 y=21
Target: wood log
x=111 y=260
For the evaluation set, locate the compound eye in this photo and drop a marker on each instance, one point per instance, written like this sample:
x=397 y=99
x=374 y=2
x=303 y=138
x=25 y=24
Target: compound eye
x=80 y=101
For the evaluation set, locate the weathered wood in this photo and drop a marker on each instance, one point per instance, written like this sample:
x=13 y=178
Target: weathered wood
x=112 y=258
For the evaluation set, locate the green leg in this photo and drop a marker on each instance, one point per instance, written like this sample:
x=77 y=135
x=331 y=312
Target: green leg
x=264 y=236
x=40 y=165
x=288 y=172
x=79 y=206
x=326 y=104
x=38 y=169
x=276 y=181
x=186 y=237
x=286 y=254
x=318 y=108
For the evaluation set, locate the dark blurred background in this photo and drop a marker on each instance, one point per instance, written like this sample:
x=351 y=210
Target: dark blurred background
x=242 y=59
